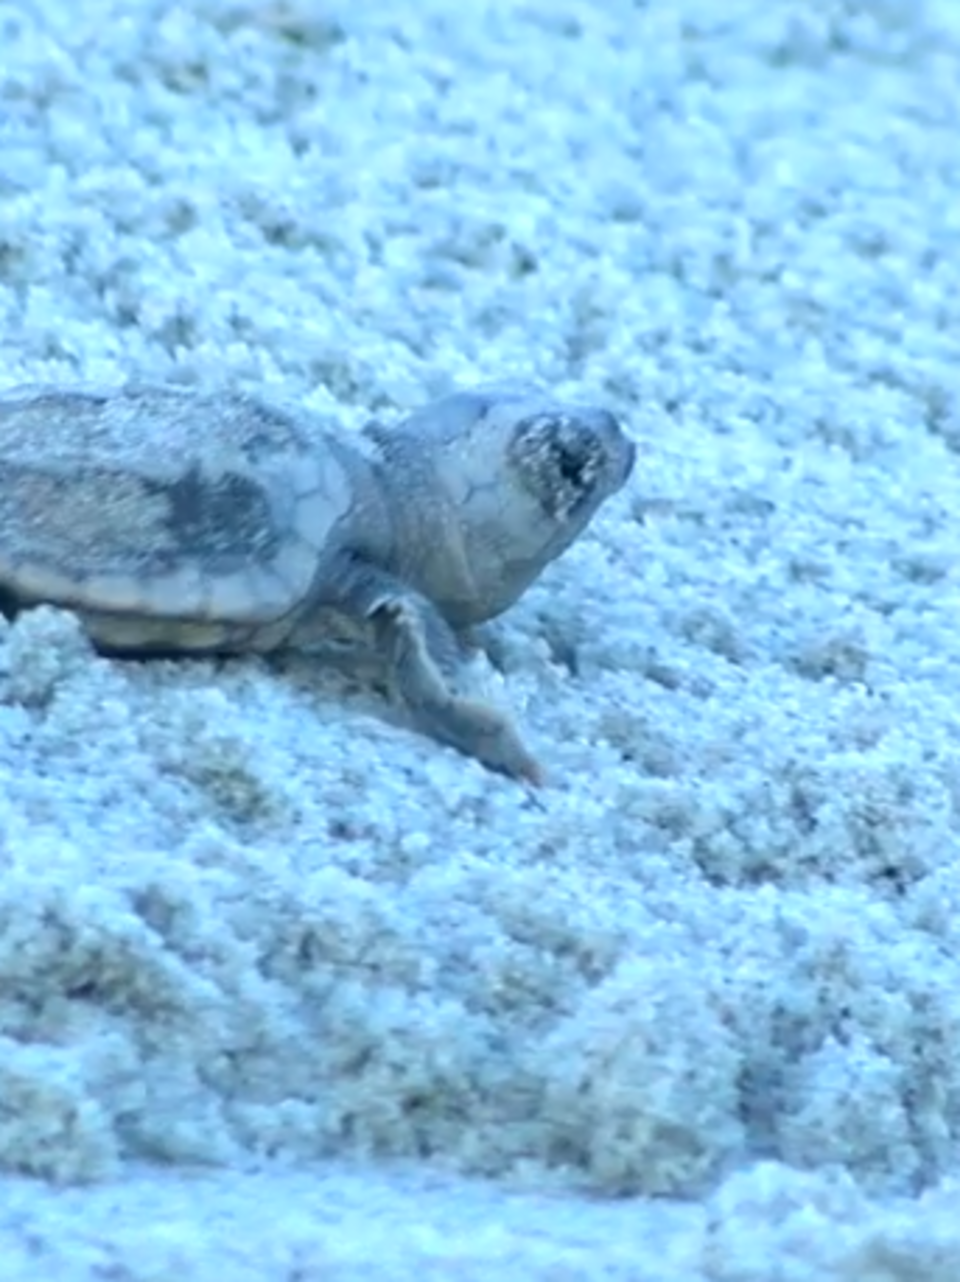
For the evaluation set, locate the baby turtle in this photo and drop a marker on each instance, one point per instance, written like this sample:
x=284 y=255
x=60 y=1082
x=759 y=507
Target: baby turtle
x=175 y=521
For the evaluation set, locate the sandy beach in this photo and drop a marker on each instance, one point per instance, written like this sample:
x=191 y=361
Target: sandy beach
x=290 y=992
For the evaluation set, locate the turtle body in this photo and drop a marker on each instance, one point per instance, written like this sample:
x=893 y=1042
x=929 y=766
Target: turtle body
x=179 y=521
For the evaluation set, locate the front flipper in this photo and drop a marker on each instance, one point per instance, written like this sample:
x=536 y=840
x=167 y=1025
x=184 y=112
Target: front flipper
x=425 y=659
x=412 y=640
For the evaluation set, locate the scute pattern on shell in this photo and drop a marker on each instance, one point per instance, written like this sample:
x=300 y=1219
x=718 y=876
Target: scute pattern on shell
x=163 y=501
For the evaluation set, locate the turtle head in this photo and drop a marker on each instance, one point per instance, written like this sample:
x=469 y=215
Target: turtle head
x=521 y=474
x=552 y=462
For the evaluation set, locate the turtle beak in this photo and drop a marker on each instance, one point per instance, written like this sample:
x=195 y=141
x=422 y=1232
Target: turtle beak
x=621 y=451
x=629 y=458
x=626 y=451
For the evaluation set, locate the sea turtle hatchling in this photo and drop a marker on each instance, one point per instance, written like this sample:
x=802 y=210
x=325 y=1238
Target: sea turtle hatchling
x=175 y=521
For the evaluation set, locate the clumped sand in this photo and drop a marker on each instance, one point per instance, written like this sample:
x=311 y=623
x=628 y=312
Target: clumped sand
x=289 y=992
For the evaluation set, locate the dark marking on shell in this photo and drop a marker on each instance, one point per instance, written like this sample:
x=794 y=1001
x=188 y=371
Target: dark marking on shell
x=218 y=521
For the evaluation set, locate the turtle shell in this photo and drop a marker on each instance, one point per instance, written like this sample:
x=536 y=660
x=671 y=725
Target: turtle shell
x=164 y=516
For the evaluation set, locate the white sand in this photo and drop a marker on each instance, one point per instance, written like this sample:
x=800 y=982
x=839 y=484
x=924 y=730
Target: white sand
x=289 y=992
